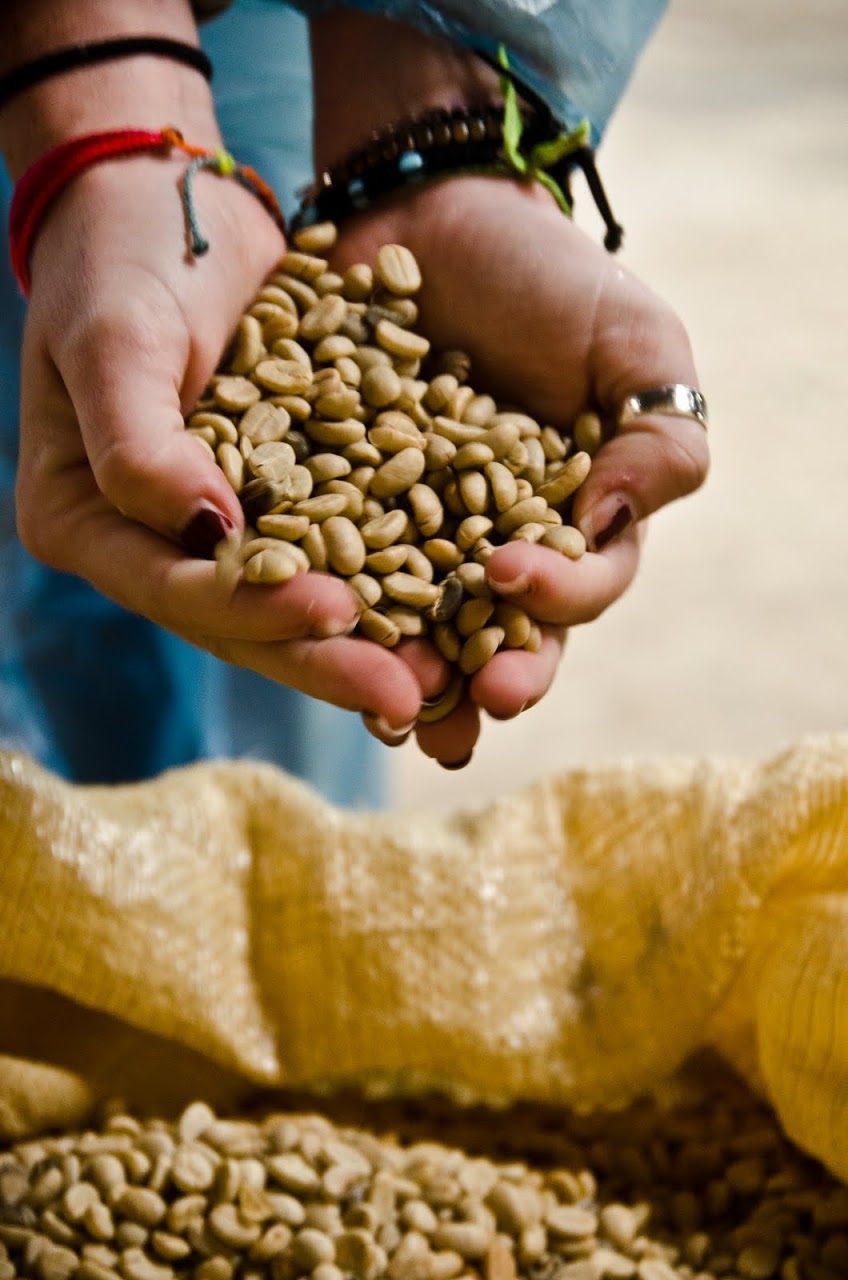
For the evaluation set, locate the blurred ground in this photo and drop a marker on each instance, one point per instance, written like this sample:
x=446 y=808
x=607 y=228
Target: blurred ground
x=728 y=164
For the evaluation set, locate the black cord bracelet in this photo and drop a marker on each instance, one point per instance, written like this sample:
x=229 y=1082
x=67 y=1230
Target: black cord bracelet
x=85 y=55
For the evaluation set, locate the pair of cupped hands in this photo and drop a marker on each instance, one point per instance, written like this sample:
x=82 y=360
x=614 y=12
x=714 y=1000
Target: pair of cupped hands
x=123 y=332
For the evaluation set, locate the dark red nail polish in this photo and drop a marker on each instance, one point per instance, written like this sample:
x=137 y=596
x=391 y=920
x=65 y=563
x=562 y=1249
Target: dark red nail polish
x=622 y=518
x=453 y=765
x=204 y=531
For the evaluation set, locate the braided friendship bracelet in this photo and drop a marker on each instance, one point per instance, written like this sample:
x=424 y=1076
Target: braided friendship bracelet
x=73 y=56
x=44 y=181
x=524 y=141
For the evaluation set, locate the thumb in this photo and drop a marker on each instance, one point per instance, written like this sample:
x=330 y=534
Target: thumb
x=653 y=458
x=124 y=380
x=641 y=469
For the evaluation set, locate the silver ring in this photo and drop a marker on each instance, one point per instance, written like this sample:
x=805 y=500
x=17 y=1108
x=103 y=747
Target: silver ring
x=675 y=400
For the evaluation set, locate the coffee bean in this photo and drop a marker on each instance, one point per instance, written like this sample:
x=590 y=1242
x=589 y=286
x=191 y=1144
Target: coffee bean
x=318 y=238
x=397 y=270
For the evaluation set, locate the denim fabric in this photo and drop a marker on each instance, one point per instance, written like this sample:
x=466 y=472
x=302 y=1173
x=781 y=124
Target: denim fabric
x=94 y=692
x=578 y=54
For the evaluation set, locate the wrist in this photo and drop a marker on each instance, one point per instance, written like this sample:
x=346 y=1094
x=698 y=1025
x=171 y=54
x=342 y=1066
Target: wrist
x=369 y=72
x=141 y=92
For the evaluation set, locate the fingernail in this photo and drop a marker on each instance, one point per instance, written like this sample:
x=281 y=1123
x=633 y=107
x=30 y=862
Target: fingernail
x=434 y=701
x=381 y=728
x=453 y=765
x=509 y=586
x=333 y=627
x=607 y=521
x=204 y=531
x=494 y=715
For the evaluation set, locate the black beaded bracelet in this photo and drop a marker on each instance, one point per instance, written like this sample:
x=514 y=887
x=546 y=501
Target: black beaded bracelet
x=421 y=147
x=433 y=145
x=85 y=55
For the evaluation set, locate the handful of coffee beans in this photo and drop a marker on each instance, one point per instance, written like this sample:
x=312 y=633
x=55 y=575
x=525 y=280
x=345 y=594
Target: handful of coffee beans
x=356 y=450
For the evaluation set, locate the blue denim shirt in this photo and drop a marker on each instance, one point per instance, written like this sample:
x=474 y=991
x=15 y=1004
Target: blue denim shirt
x=577 y=54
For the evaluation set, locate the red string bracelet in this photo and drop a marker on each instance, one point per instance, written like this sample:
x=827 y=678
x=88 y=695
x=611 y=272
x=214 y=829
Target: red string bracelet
x=44 y=181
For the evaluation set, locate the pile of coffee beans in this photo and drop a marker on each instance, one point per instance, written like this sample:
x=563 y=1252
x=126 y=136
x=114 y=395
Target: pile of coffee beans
x=709 y=1189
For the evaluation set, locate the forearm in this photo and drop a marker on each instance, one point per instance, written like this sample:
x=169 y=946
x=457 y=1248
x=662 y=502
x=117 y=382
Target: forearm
x=370 y=72
x=142 y=91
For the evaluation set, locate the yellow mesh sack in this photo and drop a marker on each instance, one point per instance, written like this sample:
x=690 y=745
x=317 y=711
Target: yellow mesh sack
x=221 y=928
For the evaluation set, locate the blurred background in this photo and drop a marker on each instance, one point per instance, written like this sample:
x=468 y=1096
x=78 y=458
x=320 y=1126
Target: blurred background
x=728 y=165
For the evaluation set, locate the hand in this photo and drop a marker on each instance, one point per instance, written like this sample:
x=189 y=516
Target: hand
x=555 y=325
x=122 y=334
x=551 y=322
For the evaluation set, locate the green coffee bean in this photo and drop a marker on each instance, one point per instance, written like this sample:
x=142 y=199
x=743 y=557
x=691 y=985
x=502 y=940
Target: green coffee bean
x=232 y=464
x=473 y=492
x=588 y=433
x=381 y=386
x=318 y=509
x=340 y=433
x=271 y=567
x=235 y=393
x=566 y=539
x=354 y=501
x=575 y=471
x=386 y=561
x=408 y=620
x=283 y=377
x=406 y=588
x=217 y=427
x=479 y=410
x=303 y=296
x=345 y=545
x=473 y=615
x=376 y=626
x=397 y=270
x=474 y=454
x=533 y=531
x=400 y=342
x=329 y=282
x=305 y=266
x=318 y=238
x=271 y=461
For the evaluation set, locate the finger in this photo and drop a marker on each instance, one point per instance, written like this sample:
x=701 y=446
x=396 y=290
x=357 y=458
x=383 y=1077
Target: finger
x=135 y=330
x=123 y=375
x=348 y=671
x=514 y=680
x=554 y=589
x=76 y=530
x=651 y=461
x=251 y=627
x=647 y=464
x=431 y=673
x=428 y=666
x=451 y=741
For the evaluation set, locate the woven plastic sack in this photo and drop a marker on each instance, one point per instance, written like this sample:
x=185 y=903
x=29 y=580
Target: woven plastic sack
x=221 y=928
